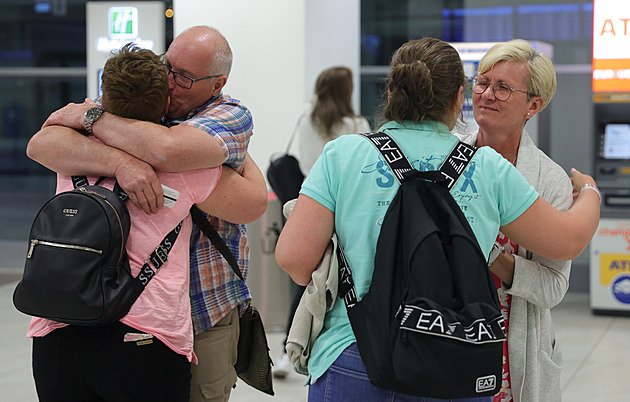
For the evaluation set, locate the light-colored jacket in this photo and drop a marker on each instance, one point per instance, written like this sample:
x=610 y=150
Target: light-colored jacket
x=538 y=285
x=318 y=298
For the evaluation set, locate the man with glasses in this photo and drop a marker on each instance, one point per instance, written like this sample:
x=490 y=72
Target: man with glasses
x=516 y=82
x=203 y=128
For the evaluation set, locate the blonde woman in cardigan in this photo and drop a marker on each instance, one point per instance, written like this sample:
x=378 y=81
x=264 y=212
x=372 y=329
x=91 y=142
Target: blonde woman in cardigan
x=514 y=83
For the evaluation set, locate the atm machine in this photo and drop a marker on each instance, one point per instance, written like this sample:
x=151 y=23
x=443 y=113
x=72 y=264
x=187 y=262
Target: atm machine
x=610 y=247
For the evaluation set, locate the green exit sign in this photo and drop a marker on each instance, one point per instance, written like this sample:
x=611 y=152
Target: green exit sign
x=123 y=22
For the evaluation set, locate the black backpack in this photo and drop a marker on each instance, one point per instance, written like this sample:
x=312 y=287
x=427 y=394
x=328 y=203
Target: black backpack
x=284 y=174
x=430 y=324
x=285 y=177
x=76 y=269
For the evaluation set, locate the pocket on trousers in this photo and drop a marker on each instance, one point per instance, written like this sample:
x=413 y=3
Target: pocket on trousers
x=46 y=363
x=215 y=390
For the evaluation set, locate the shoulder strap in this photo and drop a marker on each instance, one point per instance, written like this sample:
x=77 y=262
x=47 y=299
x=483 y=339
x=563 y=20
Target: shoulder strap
x=202 y=223
x=295 y=129
x=453 y=166
x=391 y=152
x=159 y=256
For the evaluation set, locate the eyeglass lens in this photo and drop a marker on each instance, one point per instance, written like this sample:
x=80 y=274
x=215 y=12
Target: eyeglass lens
x=179 y=78
x=500 y=89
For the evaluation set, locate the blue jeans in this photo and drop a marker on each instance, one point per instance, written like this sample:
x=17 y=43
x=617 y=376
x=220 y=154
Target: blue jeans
x=347 y=380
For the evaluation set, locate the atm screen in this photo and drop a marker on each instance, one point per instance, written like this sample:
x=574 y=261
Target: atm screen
x=616 y=141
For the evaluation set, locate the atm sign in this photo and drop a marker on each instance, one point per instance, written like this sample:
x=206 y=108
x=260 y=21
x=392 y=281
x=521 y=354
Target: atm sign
x=611 y=46
x=611 y=265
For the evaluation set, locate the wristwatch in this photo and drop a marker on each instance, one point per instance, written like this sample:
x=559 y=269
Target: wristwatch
x=494 y=253
x=90 y=116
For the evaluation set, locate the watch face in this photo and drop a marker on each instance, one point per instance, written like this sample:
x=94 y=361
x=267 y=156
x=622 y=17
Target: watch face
x=93 y=112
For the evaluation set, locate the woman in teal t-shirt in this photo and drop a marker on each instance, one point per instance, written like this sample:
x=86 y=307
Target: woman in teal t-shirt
x=349 y=189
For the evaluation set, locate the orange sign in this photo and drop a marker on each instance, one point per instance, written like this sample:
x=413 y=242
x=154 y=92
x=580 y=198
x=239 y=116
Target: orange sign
x=611 y=46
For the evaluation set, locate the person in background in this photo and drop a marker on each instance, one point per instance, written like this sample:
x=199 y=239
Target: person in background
x=330 y=116
x=203 y=128
x=514 y=83
x=104 y=363
x=425 y=96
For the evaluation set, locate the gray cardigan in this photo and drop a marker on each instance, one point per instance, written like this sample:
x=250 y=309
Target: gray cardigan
x=539 y=284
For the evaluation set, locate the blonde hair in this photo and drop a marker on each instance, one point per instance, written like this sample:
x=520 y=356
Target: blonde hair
x=542 y=75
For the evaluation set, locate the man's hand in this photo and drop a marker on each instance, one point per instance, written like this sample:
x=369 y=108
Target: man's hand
x=139 y=181
x=70 y=115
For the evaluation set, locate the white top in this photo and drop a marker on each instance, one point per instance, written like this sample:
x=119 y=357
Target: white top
x=311 y=143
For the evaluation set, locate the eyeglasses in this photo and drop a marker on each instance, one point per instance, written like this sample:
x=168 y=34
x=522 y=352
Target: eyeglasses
x=183 y=80
x=501 y=90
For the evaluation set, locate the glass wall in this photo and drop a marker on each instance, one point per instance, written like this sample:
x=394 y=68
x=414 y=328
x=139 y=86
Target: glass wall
x=385 y=25
x=42 y=68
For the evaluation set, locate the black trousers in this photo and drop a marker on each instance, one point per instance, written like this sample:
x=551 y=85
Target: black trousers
x=94 y=364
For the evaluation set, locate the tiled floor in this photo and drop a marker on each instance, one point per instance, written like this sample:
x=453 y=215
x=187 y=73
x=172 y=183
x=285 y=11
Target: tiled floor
x=596 y=353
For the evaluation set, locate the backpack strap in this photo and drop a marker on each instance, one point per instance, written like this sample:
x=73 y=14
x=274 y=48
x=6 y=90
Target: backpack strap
x=453 y=166
x=82 y=181
x=391 y=152
x=159 y=256
x=202 y=223
x=345 y=288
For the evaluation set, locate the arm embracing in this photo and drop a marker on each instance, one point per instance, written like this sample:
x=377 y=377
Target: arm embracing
x=173 y=149
x=238 y=198
x=66 y=151
x=167 y=149
x=553 y=234
x=540 y=280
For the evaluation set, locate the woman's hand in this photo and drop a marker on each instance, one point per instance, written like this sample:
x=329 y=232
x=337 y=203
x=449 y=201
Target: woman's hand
x=580 y=181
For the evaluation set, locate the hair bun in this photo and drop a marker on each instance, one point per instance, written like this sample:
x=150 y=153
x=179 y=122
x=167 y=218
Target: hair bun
x=410 y=85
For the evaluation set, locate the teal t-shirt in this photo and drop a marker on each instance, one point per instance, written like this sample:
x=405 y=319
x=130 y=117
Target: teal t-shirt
x=352 y=180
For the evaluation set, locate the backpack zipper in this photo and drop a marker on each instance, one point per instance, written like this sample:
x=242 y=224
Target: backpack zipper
x=35 y=242
x=84 y=190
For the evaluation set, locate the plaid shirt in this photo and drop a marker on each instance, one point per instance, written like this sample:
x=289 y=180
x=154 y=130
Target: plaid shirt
x=215 y=290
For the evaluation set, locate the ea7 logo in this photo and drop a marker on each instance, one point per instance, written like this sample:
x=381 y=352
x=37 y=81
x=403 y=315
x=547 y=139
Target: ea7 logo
x=487 y=383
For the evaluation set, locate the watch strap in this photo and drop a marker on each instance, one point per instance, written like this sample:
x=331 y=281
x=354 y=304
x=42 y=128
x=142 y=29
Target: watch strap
x=89 y=121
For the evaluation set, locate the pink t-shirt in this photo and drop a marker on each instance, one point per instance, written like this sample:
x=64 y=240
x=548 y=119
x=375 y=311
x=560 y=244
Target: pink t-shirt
x=163 y=308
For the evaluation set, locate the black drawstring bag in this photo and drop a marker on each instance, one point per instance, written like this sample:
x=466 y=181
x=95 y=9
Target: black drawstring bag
x=284 y=174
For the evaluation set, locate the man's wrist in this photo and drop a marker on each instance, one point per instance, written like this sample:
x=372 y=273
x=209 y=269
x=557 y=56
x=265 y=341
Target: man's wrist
x=90 y=117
